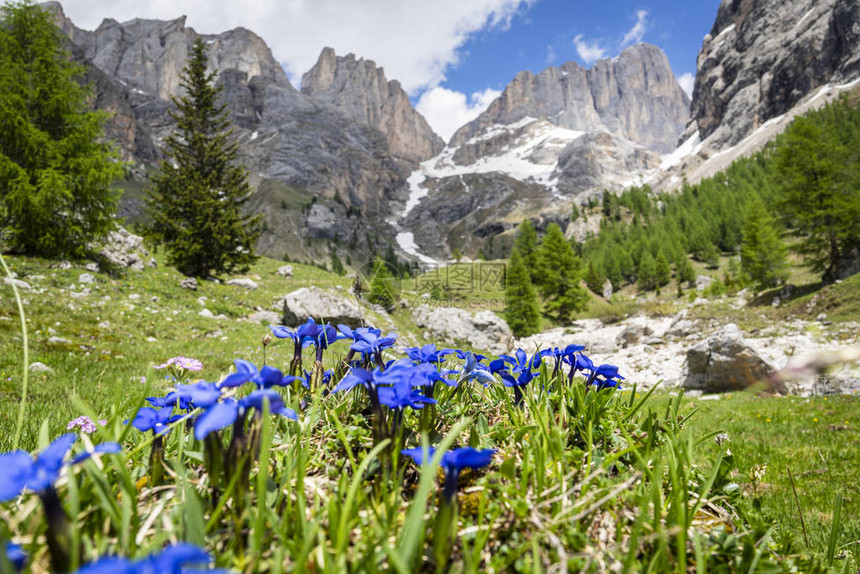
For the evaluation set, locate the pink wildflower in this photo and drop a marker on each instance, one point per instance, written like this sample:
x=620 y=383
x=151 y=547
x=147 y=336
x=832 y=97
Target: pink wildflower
x=182 y=363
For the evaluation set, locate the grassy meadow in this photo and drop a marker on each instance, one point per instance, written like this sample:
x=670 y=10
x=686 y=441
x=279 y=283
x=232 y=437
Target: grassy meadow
x=581 y=479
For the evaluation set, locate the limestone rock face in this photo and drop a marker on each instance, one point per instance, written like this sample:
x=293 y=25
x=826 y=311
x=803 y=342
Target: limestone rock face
x=483 y=330
x=635 y=96
x=321 y=305
x=761 y=58
x=727 y=362
x=361 y=91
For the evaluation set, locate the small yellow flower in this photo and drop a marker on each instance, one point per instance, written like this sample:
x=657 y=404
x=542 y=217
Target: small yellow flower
x=767 y=420
x=815 y=420
x=758 y=415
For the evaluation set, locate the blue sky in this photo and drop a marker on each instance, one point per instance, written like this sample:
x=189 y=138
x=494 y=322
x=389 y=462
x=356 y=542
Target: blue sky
x=544 y=33
x=451 y=56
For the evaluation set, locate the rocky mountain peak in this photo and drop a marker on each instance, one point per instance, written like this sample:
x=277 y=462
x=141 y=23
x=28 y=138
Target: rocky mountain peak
x=634 y=96
x=360 y=89
x=762 y=58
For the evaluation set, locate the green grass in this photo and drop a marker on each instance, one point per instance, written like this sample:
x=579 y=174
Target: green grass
x=816 y=438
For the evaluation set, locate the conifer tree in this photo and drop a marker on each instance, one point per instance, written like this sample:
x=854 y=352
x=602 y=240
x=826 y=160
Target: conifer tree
x=382 y=291
x=820 y=182
x=763 y=254
x=55 y=174
x=647 y=272
x=560 y=272
x=523 y=313
x=594 y=277
x=198 y=197
x=526 y=243
x=685 y=271
x=662 y=271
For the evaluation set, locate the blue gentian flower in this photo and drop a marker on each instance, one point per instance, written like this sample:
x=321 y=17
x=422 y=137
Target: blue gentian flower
x=606 y=376
x=264 y=378
x=21 y=471
x=402 y=395
x=520 y=361
x=473 y=370
x=155 y=420
x=171 y=400
x=199 y=394
x=427 y=353
x=371 y=343
x=356 y=376
x=453 y=461
x=578 y=362
x=464 y=355
x=171 y=560
x=16 y=556
x=225 y=413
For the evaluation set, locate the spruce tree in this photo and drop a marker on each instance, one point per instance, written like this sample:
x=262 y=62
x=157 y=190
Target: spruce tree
x=594 y=277
x=382 y=286
x=55 y=174
x=647 y=272
x=685 y=271
x=198 y=196
x=560 y=272
x=763 y=254
x=526 y=243
x=662 y=271
x=522 y=311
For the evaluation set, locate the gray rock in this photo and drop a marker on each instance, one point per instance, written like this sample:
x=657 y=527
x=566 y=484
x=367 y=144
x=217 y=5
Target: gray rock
x=40 y=368
x=65 y=264
x=703 y=282
x=633 y=333
x=266 y=317
x=285 y=271
x=726 y=362
x=243 y=282
x=86 y=279
x=607 y=289
x=94 y=267
x=125 y=250
x=761 y=58
x=319 y=304
x=450 y=326
x=206 y=313
x=189 y=283
x=58 y=341
x=22 y=285
x=361 y=91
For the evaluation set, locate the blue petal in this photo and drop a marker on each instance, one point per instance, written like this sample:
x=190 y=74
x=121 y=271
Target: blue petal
x=215 y=418
x=172 y=558
x=270 y=376
x=347 y=331
x=289 y=413
x=52 y=457
x=103 y=448
x=200 y=394
x=484 y=377
x=17 y=468
x=282 y=332
x=109 y=565
x=16 y=555
x=257 y=398
x=419 y=455
x=468 y=457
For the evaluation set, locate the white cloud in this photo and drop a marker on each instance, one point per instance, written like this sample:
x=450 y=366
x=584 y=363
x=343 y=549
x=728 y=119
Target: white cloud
x=634 y=35
x=415 y=41
x=686 y=81
x=447 y=110
x=589 y=52
x=550 y=54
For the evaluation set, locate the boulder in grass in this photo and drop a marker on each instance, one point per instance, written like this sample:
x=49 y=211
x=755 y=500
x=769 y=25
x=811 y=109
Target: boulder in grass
x=189 y=283
x=40 y=368
x=285 y=271
x=243 y=282
x=725 y=362
x=321 y=305
x=452 y=327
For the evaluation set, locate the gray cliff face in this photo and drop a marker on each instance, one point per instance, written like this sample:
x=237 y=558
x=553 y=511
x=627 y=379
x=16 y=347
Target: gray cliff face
x=634 y=96
x=762 y=57
x=305 y=148
x=360 y=90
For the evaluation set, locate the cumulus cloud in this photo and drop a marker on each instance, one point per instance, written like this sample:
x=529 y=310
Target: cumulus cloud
x=416 y=42
x=446 y=110
x=634 y=35
x=686 y=81
x=550 y=54
x=588 y=51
